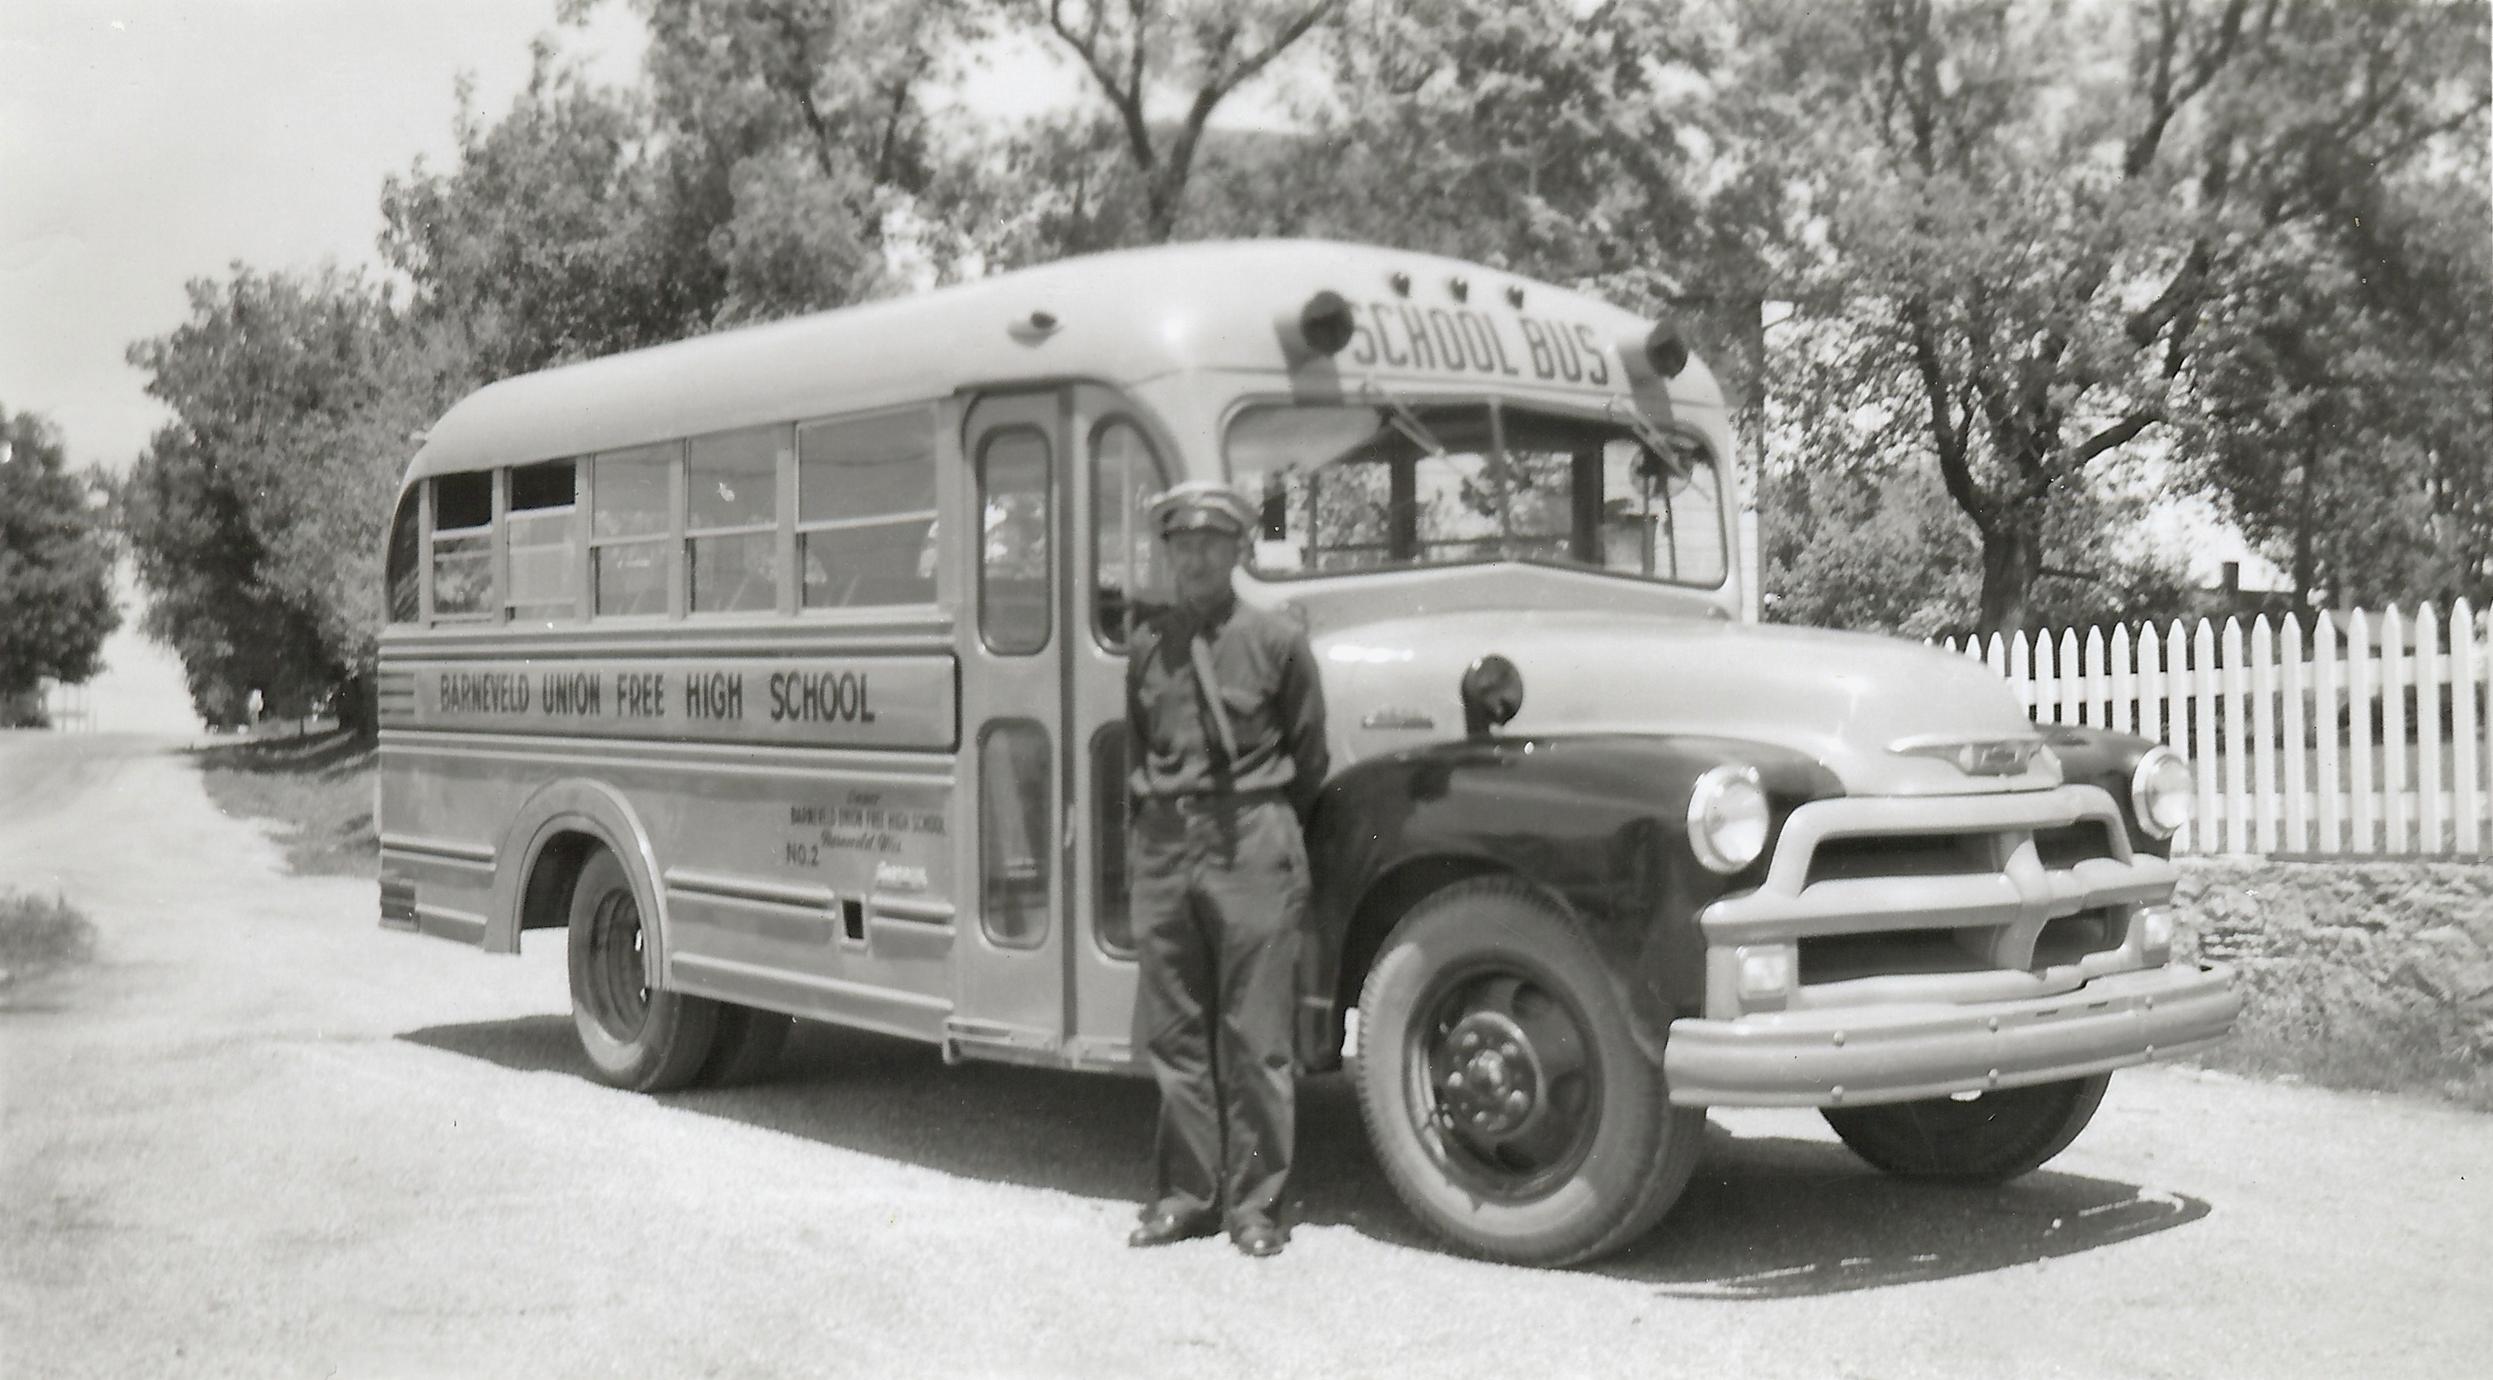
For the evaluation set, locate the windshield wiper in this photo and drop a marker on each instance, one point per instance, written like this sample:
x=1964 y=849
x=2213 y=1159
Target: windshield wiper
x=1653 y=437
x=1400 y=416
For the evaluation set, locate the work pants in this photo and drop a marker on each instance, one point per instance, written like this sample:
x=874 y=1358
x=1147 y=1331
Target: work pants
x=1220 y=898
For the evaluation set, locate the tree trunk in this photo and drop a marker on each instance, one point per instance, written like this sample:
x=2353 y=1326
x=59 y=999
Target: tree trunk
x=359 y=706
x=2012 y=559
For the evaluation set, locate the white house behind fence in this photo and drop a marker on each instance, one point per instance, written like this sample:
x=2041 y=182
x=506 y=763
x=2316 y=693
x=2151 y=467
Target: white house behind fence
x=2365 y=735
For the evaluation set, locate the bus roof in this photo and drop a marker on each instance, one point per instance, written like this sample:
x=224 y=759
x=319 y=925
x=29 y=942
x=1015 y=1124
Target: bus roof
x=1424 y=322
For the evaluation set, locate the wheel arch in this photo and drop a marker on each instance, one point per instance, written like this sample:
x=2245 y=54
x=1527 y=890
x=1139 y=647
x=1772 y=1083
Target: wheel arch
x=1592 y=824
x=548 y=842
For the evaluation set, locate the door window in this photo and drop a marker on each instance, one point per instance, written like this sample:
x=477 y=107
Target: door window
x=1013 y=479
x=1015 y=785
x=1112 y=891
x=1126 y=477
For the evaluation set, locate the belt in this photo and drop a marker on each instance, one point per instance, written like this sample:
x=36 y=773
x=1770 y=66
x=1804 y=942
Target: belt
x=1199 y=800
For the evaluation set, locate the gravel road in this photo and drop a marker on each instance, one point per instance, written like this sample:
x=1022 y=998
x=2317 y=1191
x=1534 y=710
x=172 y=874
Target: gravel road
x=264 y=1137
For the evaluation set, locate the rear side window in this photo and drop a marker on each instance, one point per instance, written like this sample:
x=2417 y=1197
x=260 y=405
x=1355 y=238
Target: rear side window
x=404 y=566
x=463 y=545
x=633 y=495
x=731 y=492
x=542 y=536
x=866 y=510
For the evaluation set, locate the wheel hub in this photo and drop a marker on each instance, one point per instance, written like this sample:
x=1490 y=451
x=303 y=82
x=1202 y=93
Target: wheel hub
x=1494 y=1080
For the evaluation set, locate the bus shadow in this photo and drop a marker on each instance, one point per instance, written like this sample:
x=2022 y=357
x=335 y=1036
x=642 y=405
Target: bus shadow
x=1772 y=1217
x=1764 y=1217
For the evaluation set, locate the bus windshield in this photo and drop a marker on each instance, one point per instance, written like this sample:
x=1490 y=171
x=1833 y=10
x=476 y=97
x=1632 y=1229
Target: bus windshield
x=1383 y=486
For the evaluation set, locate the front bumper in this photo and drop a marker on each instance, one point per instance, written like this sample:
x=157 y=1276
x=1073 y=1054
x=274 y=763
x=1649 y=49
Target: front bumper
x=1899 y=1053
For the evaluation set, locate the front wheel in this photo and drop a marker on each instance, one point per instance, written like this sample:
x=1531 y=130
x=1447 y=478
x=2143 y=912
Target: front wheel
x=1503 y=1088
x=636 y=1036
x=1978 y=1138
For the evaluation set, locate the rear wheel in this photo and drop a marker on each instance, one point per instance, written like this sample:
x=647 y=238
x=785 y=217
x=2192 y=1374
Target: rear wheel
x=749 y=1041
x=1980 y=1138
x=1503 y=1088
x=636 y=1036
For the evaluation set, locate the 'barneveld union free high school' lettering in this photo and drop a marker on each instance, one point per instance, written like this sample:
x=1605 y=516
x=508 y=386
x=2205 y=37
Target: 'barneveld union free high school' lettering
x=698 y=695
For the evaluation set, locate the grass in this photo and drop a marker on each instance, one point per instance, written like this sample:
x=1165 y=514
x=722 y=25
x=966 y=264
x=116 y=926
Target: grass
x=39 y=935
x=315 y=788
x=2291 y=1031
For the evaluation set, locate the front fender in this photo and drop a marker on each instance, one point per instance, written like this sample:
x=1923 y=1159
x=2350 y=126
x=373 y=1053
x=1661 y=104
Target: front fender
x=2101 y=757
x=1598 y=823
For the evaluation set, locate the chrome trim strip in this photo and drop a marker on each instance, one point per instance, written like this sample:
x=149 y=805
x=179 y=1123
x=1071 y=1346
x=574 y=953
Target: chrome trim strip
x=455 y=851
x=877 y=765
x=916 y=912
x=441 y=922
x=694 y=882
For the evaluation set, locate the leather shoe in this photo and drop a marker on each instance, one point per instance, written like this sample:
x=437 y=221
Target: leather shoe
x=1168 y=1228
x=1261 y=1240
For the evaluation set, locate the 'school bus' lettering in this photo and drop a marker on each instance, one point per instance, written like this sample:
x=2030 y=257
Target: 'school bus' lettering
x=1460 y=340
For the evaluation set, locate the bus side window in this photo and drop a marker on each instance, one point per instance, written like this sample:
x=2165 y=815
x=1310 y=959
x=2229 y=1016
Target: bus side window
x=865 y=501
x=1013 y=613
x=403 y=568
x=731 y=487
x=631 y=519
x=463 y=545
x=1125 y=478
x=542 y=541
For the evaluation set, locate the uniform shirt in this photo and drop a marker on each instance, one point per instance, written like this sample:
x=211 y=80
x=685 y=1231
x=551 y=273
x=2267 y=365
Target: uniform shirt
x=1268 y=684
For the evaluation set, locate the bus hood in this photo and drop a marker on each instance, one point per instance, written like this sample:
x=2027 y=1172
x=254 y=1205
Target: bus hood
x=1888 y=717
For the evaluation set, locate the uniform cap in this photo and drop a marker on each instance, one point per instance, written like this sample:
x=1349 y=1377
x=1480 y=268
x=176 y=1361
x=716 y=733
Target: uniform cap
x=1200 y=503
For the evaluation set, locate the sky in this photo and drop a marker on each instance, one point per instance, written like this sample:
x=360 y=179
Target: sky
x=145 y=143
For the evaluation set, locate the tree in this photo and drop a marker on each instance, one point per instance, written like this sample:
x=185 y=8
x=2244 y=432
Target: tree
x=2342 y=414
x=1554 y=138
x=56 y=564
x=799 y=133
x=1202 y=52
x=2013 y=220
x=555 y=237
x=256 y=516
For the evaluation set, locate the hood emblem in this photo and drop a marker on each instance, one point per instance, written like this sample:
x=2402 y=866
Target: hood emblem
x=1975 y=756
x=1395 y=716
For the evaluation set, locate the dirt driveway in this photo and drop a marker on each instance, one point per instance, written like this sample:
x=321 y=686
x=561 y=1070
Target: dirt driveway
x=264 y=1137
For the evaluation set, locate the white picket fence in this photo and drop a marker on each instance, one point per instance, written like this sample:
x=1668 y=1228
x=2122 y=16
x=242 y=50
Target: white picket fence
x=2368 y=737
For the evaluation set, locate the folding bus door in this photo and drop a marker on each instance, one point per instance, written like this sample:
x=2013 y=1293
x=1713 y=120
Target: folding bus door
x=1010 y=998
x=1120 y=467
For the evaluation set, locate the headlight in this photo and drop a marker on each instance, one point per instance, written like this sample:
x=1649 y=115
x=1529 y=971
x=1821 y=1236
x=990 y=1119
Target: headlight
x=2161 y=793
x=1727 y=818
x=1492 y=691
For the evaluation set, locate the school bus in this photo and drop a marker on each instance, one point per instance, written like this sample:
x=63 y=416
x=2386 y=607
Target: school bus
x=782 y=670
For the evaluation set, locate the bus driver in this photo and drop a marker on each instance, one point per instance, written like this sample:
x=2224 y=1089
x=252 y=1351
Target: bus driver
x=1225 y=728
